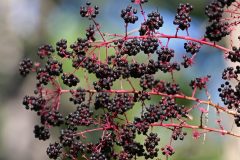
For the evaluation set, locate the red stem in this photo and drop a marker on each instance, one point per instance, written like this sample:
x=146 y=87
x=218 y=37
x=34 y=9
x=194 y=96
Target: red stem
x=197 y=127
x=208 y=102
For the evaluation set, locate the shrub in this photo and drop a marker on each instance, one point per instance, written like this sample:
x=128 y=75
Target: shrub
x=101 y=108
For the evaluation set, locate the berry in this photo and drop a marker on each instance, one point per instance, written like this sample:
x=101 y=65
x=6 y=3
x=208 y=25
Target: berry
x=192 y=47
x=154 y=22
x=149 y=45
x=182 y=18
x=80 y=46
x=128 y=133
x=226 y=2
x=89 y=11
x=121 y=103
x=152 y=114
x=118 y=79
x=25 y=66
x=147 y=81
x=124 y=156
x=128 y=15
x=187 y=62
x=151 y=143
x=76 y=148
x=78 y=96
x=54 y=150
x=98 y=156
x=45 y=51
x=229 y=73
x=216 y=31
x=67 y=137
x=90 y=33
x=214 y=11
x=229 y=96
x=199 y=83
x=237 y=120
x=152 y=67
x=168 y=67
x=131 y=48
x=41 y=132
x=62 y=49
x=177 y=133
x=141 y=125
x=134 y=148
x=137 y=70
x=80 y=117
x=43 y=77
x=70 y=79
x=168 y=151
x=53 y=118
x=169 y=88
x=234 y=55
x=102 y=100
x=54 y=68
x=165 y=55
x=34 y=103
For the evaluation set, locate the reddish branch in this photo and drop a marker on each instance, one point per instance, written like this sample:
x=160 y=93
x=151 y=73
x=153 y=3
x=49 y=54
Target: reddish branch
x=218 y=107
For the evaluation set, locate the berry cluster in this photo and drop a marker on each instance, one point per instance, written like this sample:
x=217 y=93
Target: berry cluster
x=230 y=73
x=149 y=45
x=151 y=143
x=89 y=11
x=187 y=61
x=182 y=18
x=53 y=67
x=229 y=95
x=80 y=46
x=130 y=48
x=115 y=83
x=147 y=82
x=234 y=55
x=192 y=47
x=54 y=150
x=53 y=118
x=41 y=132
x=167 y=87
x=165 y=55
x=62 y=49
x=43 y=77
x=25 y=66
x=45 y=51
x=128 y=15
x=237 y=119
x=120 y=103
x=69 y=79
x=199 y=83
x=214 y=11
x=154 y=22
x=217 y=28
x=98 y=156
x=178 y=134
x=90 y=33
x=81 y=117
x=226 y=2
x=168 y=150
x=78 y=96
x=34 y=103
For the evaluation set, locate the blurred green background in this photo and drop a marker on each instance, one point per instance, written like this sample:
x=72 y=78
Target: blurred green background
x=27 y=24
